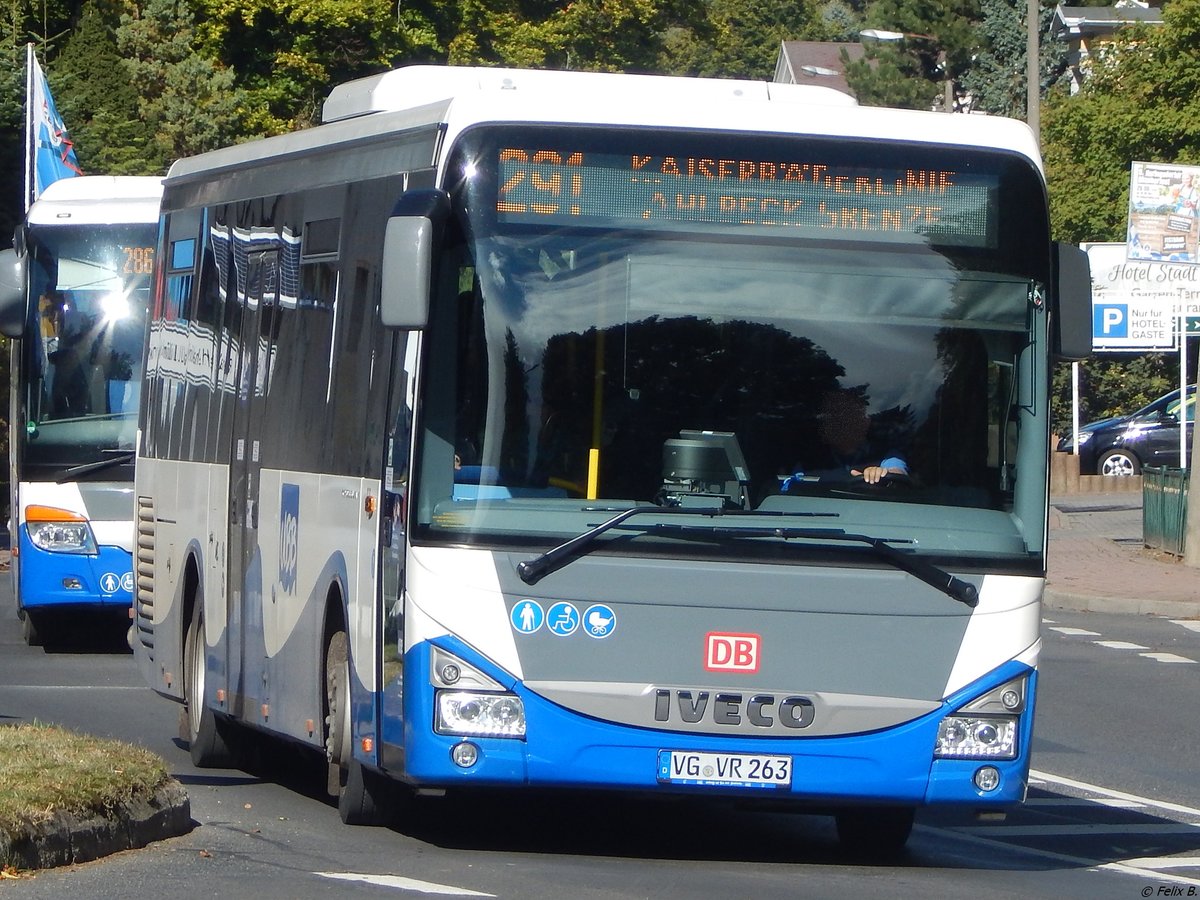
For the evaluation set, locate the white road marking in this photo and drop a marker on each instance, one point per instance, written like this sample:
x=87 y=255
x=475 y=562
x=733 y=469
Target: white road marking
x=1167 y=657
x=1164 y=862
x=1079 y=801
x=1189 y=624
x=1075 y=632
x=404 y=884
x=1147 y=874
x=1120 y=645
x=1047 y=778
x=1145 y=868
x=1083 y=828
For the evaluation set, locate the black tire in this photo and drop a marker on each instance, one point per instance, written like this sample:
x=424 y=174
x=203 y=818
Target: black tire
x=1120 y=463
x=207 y=732
x=875 y=831
x=33 y=629
x=364 y=797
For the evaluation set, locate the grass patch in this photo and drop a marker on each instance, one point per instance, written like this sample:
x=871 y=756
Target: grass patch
x=45 y=769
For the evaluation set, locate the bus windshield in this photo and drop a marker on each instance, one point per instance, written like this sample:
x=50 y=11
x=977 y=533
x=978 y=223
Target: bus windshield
x=716 y=348
x=82 y=361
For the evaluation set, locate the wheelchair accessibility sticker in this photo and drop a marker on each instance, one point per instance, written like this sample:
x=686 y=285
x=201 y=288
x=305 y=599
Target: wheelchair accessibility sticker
x=562 y=619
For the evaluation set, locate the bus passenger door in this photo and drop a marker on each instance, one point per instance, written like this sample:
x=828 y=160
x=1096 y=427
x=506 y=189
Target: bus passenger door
x=244 y=632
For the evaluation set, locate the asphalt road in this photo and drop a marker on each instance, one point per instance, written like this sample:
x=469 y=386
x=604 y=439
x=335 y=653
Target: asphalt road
x=1114 y=811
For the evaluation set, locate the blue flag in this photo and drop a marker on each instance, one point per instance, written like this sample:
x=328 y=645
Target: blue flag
x=51 y=151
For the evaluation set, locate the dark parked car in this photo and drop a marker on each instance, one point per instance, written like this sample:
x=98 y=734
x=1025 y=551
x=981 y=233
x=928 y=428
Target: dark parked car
x=1124 y=444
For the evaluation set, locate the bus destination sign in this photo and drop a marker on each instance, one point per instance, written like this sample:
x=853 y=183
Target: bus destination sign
x=563 y=187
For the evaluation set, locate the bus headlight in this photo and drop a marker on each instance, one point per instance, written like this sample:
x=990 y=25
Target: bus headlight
x=480 y=714
x=977 y=737
x=59 y=530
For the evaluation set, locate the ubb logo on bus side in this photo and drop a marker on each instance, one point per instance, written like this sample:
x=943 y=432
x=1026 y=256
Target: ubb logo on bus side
x=289 y=535
x=732 y=652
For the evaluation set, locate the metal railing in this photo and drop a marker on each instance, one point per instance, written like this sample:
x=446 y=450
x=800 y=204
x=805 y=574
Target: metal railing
x=1164 y=508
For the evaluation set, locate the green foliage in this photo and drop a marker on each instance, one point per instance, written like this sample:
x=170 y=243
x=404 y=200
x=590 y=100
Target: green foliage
x=1112 y=384
x=1139 y=102
x=188 y=103
x=101 y=105
x=996 y=79
x=940 y=43
x=595 y=35
x=288 y=53
x=741 y=38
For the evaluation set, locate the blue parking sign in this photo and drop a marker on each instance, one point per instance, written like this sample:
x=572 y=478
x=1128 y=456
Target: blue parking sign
x=1110 y=320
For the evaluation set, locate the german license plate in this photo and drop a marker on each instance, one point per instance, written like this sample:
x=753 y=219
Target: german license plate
x=724 y=769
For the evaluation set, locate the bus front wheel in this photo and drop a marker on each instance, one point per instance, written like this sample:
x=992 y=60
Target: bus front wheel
x=875 y=831
x=207 y=734
x=33 y=630
x=364 y=797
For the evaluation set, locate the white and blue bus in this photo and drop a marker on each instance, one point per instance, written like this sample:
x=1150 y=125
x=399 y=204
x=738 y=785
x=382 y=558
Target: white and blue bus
x=74 y=296
x=474 y=436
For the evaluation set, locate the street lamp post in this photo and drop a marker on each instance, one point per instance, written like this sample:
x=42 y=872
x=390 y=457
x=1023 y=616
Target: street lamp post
x=879 y=34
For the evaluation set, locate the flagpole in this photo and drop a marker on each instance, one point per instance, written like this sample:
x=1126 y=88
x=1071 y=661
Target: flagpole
x=30 y=135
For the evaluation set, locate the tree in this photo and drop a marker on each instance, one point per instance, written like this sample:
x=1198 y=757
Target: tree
x=941 y=40
x=997 y=79
x=596 y=35
x=288 y=54
x=188 y=102
x=1139 y=102
x=101 y=105
x=741 y=38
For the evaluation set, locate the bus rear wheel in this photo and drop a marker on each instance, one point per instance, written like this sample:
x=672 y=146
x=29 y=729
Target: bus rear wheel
x=207 y=733
x=875 y=831
x=364 y=797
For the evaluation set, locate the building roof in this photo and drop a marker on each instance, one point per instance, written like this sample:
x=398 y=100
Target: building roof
x=816 y=62
x=1075 y=22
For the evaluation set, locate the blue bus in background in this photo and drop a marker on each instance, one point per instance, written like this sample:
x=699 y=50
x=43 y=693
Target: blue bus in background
x=73 y=295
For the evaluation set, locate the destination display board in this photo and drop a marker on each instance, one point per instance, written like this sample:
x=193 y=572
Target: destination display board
x=564 y=186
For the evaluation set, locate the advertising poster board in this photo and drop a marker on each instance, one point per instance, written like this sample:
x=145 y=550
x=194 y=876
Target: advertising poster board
x=1164 y=212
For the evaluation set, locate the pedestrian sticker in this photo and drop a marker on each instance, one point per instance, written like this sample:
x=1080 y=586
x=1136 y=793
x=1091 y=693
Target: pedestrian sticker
x=599 y=621
x=562 y=619
x=527 y=616
x=110 y=582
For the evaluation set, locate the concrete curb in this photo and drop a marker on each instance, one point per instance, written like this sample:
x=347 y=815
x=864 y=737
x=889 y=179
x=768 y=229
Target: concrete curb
x=1174 y=609
x=64 y=840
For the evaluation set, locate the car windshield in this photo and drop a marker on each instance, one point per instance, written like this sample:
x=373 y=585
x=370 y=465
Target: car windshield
x=571 y=371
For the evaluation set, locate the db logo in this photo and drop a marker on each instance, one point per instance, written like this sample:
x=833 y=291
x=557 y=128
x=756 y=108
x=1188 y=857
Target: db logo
x=732 y=652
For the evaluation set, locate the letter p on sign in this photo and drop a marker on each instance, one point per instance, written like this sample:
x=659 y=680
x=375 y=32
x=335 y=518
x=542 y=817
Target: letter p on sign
x=732 y=652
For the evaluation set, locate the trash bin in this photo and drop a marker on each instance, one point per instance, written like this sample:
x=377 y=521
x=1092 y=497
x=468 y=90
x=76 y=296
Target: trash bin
x=1164 y=508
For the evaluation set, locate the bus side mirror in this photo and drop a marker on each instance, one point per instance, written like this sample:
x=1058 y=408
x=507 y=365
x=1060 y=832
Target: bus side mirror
x=12 y=294
x=404 y=281
x=1073 y=303
x=409 y=240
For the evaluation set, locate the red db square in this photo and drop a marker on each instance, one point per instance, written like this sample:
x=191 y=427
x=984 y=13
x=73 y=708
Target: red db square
x=732 y=652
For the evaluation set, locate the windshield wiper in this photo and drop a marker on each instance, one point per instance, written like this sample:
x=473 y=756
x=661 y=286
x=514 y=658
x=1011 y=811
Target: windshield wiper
x=951 y=586
x=534 y=570
x=119 y=458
